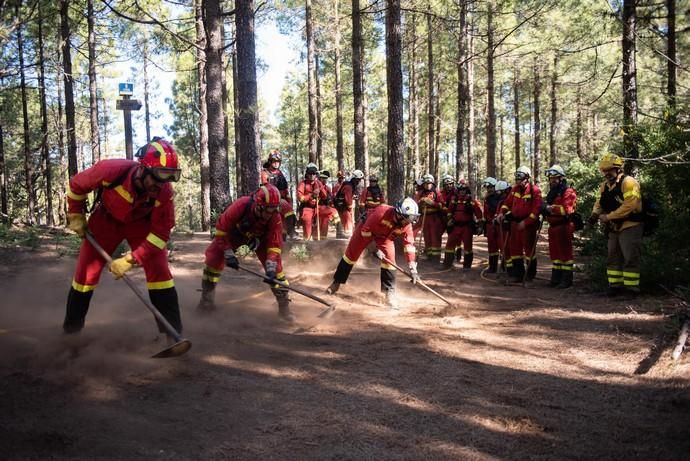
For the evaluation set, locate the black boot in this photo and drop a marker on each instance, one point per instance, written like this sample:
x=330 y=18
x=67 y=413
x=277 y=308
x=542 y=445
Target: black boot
x=556 y=275
x=531 y=269
x=458 y=255
x=283 y=299
x=291 y=224
x=518 y=273
x=208 y=296
x=166 y=302
x=493 y=264
x=467 y=263
x=448 y=259
x=77 y=307
x=566 y=279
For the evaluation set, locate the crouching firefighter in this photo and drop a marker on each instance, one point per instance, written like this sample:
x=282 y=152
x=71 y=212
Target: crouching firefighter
x=383 y=225
x=252 y=220
x=134 y=202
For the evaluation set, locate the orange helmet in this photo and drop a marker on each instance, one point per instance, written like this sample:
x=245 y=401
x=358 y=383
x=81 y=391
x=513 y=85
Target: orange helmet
x=267 y=196
x=160 y=159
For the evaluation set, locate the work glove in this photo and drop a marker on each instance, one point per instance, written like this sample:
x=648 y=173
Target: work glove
x=271 y=267
x=76 y=222
x=231 y=260
x=121 y=265
x=380 y=255
x=413 y=272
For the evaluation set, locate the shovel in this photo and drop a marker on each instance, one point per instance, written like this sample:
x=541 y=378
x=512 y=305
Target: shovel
x=181 y=345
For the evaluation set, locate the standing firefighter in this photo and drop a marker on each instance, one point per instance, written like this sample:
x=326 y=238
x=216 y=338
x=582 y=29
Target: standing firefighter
x=310 y=192
x=492 y=199
x=271 y=174
x=372 y=195
x=252 y=220
x=432 y=225
x=560 y=203
x=620 y=207
x=446 y=198
x=344 y=199
x=502 y=230
x=134 y=202
x=382 y=225
x=327 y=213
x=521 y=208
x=462 y=216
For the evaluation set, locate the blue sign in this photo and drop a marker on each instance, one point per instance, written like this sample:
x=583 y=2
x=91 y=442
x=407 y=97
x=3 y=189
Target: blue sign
x=126 y=89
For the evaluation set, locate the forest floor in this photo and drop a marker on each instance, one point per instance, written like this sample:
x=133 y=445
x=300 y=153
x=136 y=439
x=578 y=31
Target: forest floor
x=509 y=373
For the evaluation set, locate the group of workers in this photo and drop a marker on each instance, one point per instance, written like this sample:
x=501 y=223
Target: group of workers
x=134 y=202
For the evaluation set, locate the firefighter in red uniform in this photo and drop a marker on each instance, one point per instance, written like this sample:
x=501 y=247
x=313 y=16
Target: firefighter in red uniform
x=382 y=226
x=446 y=198
x=344 y=199
x=134 y=203
x=310 y=192
x=432 y=224
x=253 y=220
x=560 y=203
x=521 y=208
x=327 y=213
x=492 y=230
x=462 y=216
x=373 y=195
x=271 y=174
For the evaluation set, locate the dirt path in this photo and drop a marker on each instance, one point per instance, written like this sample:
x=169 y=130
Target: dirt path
x=512 y=373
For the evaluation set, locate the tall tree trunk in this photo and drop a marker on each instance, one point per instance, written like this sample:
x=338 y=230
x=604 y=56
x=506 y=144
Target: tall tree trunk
x=236 y=121
x=437 y=128
x=394 y=84
x=93 y=91
x=3 y=180
x=69 y=88
x=203 y=118
x=578 y=128
x=45 y=159
x=499 y=167
x=491 y=110
x=536 y=153
x=311 y=84
x=339 y=144
x=629 y=85
x=319 y=127
x=60 y=129
x=147 y=109
x=218 y=155
x=361 y=147
x=553 y=129
x=246 y=95
x=414 y=101
x=462 y=91
x=671 y=63
x=431 y=150
x=471 y=159
x=28 y=161
x=225 y=101
x=516 y=114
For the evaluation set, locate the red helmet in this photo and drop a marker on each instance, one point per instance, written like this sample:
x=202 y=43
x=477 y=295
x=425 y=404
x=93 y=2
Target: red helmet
x=267 y=196
x=275 y=156
x=160 y=159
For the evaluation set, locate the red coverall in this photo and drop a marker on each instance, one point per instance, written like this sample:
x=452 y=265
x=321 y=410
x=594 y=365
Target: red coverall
x=493 y=230
x=432 y=223
x=346 y=218
x=327 y=213
x=561 y=231
x=372 y=198
x=462 y=210
x=524 y=204
x=123 y=214
x=380 y=227
x=305 y=191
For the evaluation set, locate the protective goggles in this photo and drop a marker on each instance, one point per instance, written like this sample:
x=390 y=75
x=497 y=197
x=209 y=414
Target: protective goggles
x=163 y=174
x=521 y=176
x=488 y=184
x=268 y=209
x=552 y=173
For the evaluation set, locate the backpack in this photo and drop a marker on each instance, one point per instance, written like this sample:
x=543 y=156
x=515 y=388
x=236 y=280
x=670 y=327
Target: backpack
x=650 y=214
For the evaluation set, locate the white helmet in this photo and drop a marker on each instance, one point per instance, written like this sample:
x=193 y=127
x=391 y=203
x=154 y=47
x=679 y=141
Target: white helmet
x=555 y=170
x=428 y=178
x=408 y=208
x=358 y=174
x=501 y=186
x=523 y=170
x=488 y=182
x=448 y=179
x=311 y=169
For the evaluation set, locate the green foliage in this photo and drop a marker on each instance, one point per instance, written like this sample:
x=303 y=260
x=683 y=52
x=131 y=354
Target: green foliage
x=300 y=253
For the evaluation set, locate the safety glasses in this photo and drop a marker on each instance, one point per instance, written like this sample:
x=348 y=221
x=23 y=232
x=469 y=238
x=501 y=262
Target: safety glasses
x=520 y=176
x=551 y=173
x=269 y=209
x=162 y=174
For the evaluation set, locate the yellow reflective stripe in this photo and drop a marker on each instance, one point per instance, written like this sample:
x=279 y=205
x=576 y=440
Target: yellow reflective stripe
x=157 y=204
x=82 y=288
x=409 y=249
x=504 y=207
x=366 y=234
x=533 y=216
x=631 y=275
x=614 y=280
x=516 y=194
x=211 y=269
x=614 y=272
x=74 y=196
x=160 y=285
x=449 y=251
x=274 y=250
x=124 y=194
x=632 y=193
x=349 y=261
x=290 y=213
x=631 y=283
x=211 y=278
x=527 y=196
x=220 y=233
x=281 y=277
x=105 y=183
x=386 y=266
x=163 y=158
x=155 y=240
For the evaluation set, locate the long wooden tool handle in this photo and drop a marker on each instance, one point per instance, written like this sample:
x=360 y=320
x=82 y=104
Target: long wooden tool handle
x=288 y=287
x=419 y=282
x=168 y=328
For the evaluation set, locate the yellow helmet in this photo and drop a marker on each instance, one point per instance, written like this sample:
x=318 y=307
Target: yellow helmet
x=609 y=161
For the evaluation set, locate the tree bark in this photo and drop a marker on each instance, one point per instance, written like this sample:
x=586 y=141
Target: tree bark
x=536 y=153
x=236 y=122
x=629 y=85
x=471 y=160
x=671 y=63
x=311 y=84
x=147 y=109
x=246 y=96
x=45 y=159
x=554 y=114
x=28 y=161
x=69 y=88
x=319 y=126
x=413 y=102
x=361 y=141
x=431 y=111
x=60 y=128
x=339 y=144
x=3 y=180
x=462 y=91
x=516 y=114
x=93 y=90
x=394 y=84
x=491 y=110
x=578 y=129
x=203 y=118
